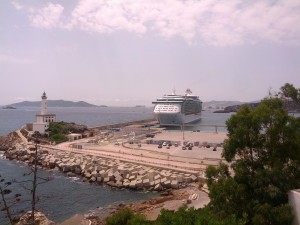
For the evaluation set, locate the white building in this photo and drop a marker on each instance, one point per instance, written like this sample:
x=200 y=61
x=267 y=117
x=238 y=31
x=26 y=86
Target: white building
x=44 y=118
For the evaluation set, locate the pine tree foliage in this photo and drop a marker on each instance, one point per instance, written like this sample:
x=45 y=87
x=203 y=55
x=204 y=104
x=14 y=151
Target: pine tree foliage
x=263 y=149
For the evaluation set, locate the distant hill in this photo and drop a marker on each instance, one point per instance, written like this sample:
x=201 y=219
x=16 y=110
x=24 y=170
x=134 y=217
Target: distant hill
x=289 y=106
x=219 y=104
x=53 y=103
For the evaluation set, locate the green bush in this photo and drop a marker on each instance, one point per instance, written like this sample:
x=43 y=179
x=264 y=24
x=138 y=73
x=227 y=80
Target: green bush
x=192 y=216
x=127 y=217
x=121 y=217
x=58 y=138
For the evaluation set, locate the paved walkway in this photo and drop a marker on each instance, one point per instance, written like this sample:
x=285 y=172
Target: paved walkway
x=24 y=139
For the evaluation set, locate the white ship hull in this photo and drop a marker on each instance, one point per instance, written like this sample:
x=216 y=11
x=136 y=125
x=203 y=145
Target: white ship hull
x=176 y=110
x=176 y=119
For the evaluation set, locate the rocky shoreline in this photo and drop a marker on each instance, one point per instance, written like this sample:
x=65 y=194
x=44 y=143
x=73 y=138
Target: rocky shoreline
x=112 y=172
x=173 y=185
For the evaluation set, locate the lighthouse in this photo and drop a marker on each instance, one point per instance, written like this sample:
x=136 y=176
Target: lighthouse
x=44 y=107
x=43 y=119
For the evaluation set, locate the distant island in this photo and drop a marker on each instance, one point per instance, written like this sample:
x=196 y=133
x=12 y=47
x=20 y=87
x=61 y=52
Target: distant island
x=289 y=106
x=218 y=105
x=8 y=107
x=53 y=103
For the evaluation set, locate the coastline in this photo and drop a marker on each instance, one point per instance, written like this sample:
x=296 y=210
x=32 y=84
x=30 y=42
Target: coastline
x=190 y=196
x=63 y=158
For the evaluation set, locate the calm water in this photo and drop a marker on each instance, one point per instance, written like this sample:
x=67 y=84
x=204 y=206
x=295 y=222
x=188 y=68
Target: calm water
x=62 y=197
x=11 y=120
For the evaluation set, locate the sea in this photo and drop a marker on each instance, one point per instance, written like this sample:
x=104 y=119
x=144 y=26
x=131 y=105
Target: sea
x=62 y=197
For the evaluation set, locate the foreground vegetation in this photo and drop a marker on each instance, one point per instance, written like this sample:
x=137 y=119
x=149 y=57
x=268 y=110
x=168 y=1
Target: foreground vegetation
x=58 y=131
x=263 y=151
x=183 y=216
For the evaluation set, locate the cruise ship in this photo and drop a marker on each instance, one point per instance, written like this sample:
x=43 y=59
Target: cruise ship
x=176 y=110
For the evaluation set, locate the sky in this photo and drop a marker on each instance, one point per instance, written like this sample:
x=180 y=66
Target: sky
x=130 y=52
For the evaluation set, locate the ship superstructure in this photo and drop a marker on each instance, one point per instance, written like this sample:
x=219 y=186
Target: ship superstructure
x=172 y=109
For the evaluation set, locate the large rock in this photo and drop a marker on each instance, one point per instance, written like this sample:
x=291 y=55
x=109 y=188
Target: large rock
x=139 y=184
x=167 y=184
x=146 y=183
x=99 y=180
x=158 y=187
x=194 y=178
x=126 y=183
x=77 y=170
x=174 y=184
x=39 y=219
x=132 y=184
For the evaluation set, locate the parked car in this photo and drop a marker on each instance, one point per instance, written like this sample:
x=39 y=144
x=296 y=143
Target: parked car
x=164 y=144
x=190 y=145
x=183 y=148
x=176 y=144
x=150 y=135
x=159 y=146
x=190 y=148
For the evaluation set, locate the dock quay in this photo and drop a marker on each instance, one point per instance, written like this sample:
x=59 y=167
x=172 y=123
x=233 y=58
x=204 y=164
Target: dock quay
x=146 y=122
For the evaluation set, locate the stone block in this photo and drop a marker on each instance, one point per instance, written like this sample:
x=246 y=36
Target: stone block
x=173 y=177
x=157 y=177
x=187 y=179
x=103 y=173
x=146 y=183
x=180 y=178
x=94 y=173
x=88 y=175
x=126 y=183
x=158 y=187
x=139 y=184
x=157 y=181
x=194 y=178
x=145 y=177
x=132 y=177
x=66 y=168
x=174 y=184
x=132 y=184
x=163 y=180
x=92 y=179
x=119 y=178
x=77 y=170
x=167 y=184
x=116 y=174
x=99 y=180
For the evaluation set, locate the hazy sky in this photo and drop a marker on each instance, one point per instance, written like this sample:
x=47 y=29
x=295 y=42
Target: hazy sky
x=129 y=52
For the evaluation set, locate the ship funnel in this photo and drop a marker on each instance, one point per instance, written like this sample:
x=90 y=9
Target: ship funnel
x=188 y=92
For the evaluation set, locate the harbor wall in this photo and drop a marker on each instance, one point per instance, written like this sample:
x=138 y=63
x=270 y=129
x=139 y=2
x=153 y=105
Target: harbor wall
x=101 y=170
x=146 y=122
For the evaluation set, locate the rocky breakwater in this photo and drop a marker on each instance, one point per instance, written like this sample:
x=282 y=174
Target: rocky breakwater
x=115 y=173
x=10 y=141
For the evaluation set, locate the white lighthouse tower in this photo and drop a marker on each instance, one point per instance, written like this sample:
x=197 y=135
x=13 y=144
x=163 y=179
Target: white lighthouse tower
x=44 y=118
x=44 y=107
